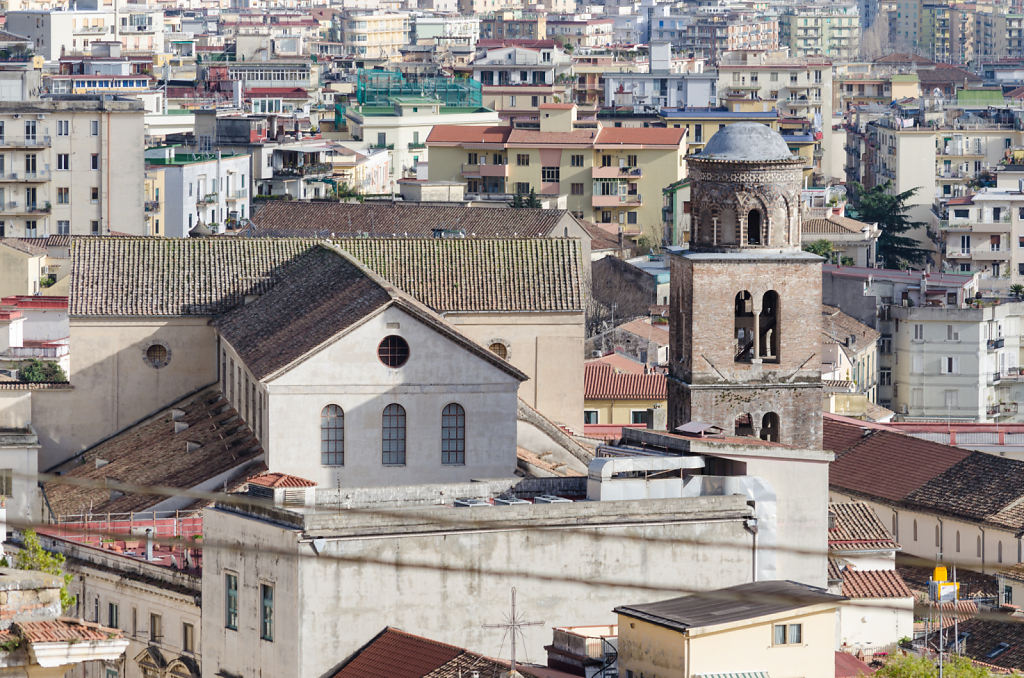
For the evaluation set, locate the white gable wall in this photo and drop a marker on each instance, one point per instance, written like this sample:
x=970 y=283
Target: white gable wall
x=349 y=374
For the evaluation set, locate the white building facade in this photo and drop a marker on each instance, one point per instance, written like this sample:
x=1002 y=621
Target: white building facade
x=208 y=189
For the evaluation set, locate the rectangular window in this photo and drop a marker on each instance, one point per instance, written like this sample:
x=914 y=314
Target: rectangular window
x=188 y=639
x=63 y=128
x=6 y=482
x=630 y=217
x=472 y=159
x=590 y=416
x=31 y=229
x=30 y=163
x=606 y=161
x=94 y=194
x=787 y=634
x=95 y=161
x=155 y=627
x=638 y=417
x=63 y=195
x=577 y=160
x=630 y=161
x=1007 y=594
x=63 y=227
x=577 y=188
x=549 y=174
x=94 y=227
x=949 y=365
x=112 y=616
x=918 y=332
x=885 y=377
x=952 y=334
x=63 y=161
x=522 y=187
x=266 y=612
x=231 y=601
x=523 y=159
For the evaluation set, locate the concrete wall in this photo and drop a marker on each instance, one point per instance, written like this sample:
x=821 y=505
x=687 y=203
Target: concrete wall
x=587 y=542
x=113 y=386
x=349 y=374
x=19 y=451
x=874 y=623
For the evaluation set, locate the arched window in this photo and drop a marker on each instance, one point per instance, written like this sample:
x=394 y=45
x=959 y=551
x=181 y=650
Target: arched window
x=453 y=434
x=958 y=541
x=915 y=529
x=499 y=349
x=744 y=425
x=770 y=427
x=332 y=436
x=743 y=327
x=393 y=434
x=768 y=327
x=754 y=227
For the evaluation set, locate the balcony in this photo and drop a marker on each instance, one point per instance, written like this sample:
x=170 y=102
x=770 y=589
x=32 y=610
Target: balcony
x=237 y=194
x=315 y=168
x=25 y=142
x=624 y=200
x=997 y=254
x=18 y=207
x=1001 y=226
x=26 y=177
x=152 y=205
x=993 y=344
x=207 y=199
x=416 y=146
x=616 y=173
x=997 y=409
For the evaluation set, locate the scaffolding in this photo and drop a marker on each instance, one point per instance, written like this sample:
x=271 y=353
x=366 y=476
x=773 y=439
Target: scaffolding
x=377 y=87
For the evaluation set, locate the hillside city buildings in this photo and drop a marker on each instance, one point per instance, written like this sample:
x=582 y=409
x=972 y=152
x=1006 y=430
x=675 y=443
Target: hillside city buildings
x=682 y=333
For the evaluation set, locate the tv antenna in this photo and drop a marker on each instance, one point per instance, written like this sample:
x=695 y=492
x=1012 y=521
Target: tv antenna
x=513 y=625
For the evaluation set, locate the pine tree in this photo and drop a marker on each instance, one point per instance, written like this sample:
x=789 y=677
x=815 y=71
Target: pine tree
x=876 y=205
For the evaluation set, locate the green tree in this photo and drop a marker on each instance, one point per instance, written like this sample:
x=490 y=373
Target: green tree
x=913 y=666
x=1017 y=291
x=36 y=371
x=517 y=201
x=532 y=200
x=823 y=248
x=875 y=205
x=34 y=557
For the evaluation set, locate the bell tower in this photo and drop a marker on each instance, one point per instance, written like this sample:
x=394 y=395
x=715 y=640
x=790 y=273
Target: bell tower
x=745 y=299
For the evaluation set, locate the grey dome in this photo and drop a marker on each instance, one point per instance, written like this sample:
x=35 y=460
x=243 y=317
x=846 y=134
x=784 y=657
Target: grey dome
x=746 y=141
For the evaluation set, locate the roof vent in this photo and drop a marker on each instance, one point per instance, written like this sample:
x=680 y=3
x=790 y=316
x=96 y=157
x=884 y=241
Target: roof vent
x=191 y=446
x=177 y=414
x=180 y=426
x=698 y=429
x=100 y=463
x=471 y=502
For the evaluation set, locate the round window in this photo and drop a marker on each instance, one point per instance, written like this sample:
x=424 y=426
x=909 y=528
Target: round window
x=499 y=349
x=393 y=351
x=157 y=355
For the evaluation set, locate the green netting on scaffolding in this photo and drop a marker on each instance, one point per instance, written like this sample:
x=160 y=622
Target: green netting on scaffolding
x=377 y=87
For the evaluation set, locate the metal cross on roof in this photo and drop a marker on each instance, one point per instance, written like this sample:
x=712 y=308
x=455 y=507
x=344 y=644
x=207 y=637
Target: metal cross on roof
x=514 y=623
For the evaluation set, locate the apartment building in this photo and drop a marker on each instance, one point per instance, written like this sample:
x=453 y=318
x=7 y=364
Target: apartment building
x=905 y=156
x=513 y=25
x=667 y=83
x=581 y=32
x=999 y=35
x=609 y=175
x=516 y=77
x=831 y=30
x=208 y=191
x=137 y=27
x=71 y=165
x=403 y=127
x=711 y=35
x=948 y=33
x=154 y=205
x=960 y=364
x=800 y=87
x=379 y=35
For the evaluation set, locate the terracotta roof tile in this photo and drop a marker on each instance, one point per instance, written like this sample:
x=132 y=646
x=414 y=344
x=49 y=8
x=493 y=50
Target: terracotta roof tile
x=22 y=246
x=620 y=362
x=640 y=327
x=536 y=137
x=647 y=136
x=874 y=584
x=848 y=666
x=153 y=453
x=468 y=134
x=984 y=636
x=158 y=277
x=833 y=225
x=602 y=382
x=64 y=630
x=271 y=479
x=857 y=527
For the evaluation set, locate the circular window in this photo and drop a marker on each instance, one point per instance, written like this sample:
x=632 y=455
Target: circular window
x=393 y=351
x=499 y=349
x=157 y=355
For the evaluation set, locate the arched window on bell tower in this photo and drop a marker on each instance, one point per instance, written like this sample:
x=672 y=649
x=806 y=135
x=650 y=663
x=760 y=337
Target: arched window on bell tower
x=743 y=327
x=744 y=425
x=770 y=427
x=768 y=327
x=754 y=227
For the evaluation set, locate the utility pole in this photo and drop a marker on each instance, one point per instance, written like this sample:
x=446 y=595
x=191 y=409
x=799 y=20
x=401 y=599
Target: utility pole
x=513 y=624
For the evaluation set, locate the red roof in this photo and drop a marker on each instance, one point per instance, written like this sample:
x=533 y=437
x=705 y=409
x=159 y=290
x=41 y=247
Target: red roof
x=284 y=92
x=64 y=630
x=480 y=134
x=271 y=479
x=848 y=666
x=874 y=584
x=648 y=136
x=966 y=200
x=26 y=301
x=397 y=654
x=600 y=381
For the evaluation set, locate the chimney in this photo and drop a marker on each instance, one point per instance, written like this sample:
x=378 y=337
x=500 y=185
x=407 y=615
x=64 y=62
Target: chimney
x=149 y=543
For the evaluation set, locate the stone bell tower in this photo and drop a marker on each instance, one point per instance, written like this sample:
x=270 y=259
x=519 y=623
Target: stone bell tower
x=746 y=300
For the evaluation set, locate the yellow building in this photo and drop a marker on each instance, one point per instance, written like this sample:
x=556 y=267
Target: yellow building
x=379 y=36
x=609 y=175
x=154 y=192
x=767 y=628
x=611 y=397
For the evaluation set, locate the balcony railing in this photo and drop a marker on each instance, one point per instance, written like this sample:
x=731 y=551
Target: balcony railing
x=993 y=344
x=237 y=194
x=207 y=199
x=152 y=205
x=616 y=172
x=25 y=142
x=305 y=170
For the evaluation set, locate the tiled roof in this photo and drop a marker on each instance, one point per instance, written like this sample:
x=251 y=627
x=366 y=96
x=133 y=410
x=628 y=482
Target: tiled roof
x=620 y=362
x=857 y=527
x=981 y=487
x=874 y=584
x=835 y=569
x=396 y=654
x=848 y=666
x=320 y=293
x=271 y=479
x=532 y=137
x=839 y=327
x=28 y=386
x=147 y=277
x=985 y=636
x=468 y=134
x=64 y=630
x=646 y=330
x=880 y=463
x=647 y=136
x=833 y=225
x=293 y=218
x=20 y=245
x=601 y=382
x=152 y=453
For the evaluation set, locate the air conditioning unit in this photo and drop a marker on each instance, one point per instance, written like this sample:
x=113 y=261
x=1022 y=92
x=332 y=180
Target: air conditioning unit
x=509 y=501
x=471 y=502
x=551 y=499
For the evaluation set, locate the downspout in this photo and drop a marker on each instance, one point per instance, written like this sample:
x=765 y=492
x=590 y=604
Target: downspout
x=750 y=524
x=106 y=161
x=942 y=538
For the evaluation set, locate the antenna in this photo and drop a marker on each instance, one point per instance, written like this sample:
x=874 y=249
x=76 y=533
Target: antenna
x=513 y=623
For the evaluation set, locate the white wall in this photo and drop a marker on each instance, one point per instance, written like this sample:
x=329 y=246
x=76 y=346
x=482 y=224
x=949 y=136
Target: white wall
x=873 y=623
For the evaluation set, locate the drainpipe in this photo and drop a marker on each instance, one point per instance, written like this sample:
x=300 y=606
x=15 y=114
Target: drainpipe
x=750 y=524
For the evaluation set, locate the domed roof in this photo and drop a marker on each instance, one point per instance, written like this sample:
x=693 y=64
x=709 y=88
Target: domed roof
x=750 y=141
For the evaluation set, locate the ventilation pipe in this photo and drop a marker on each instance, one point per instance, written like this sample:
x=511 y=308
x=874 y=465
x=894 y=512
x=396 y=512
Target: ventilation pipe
x=149 y=543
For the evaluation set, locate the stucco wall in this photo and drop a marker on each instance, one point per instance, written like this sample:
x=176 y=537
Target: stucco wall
x=325 y=595
x=873 y=623
x=113 y=386
x=349 y=374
